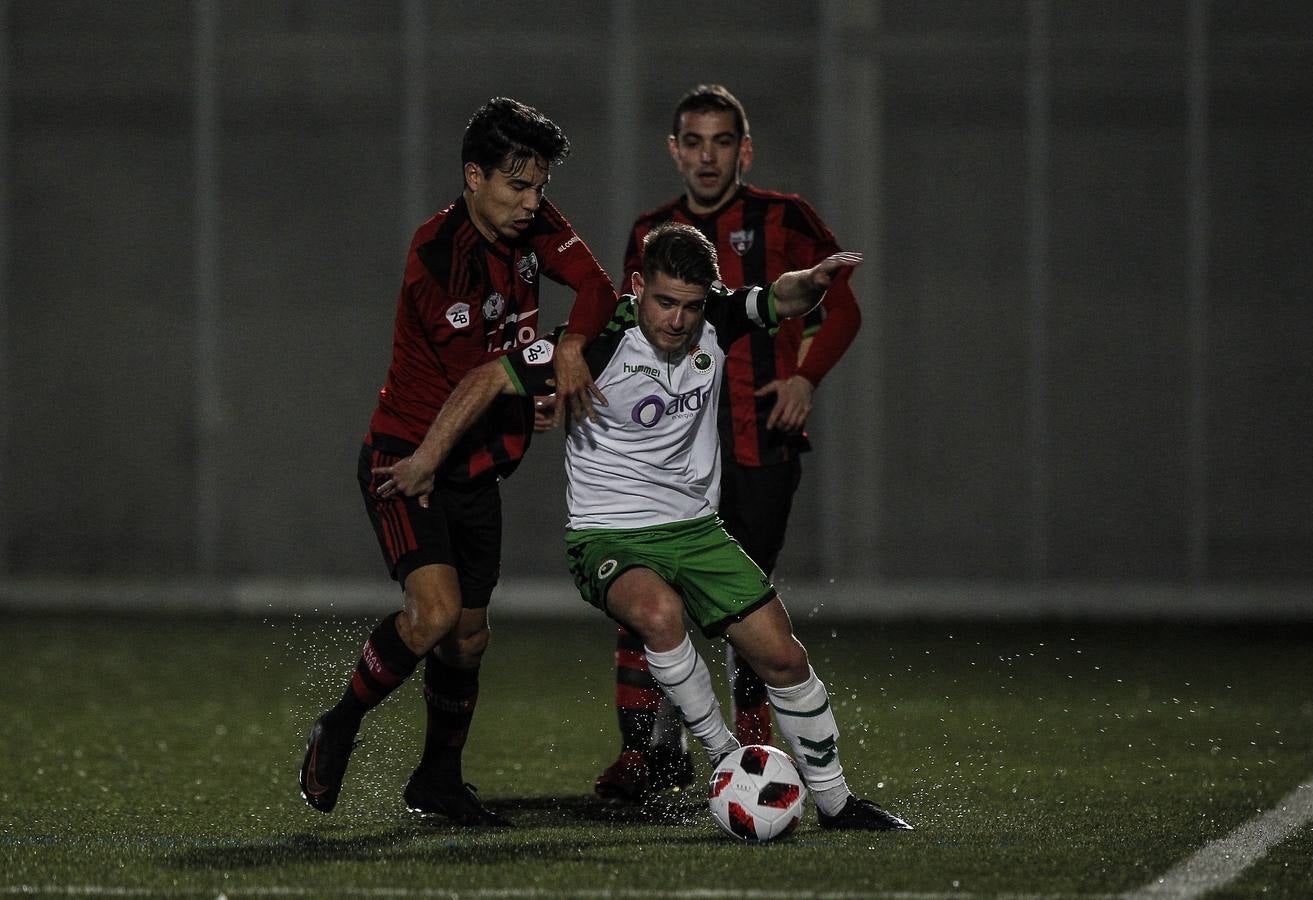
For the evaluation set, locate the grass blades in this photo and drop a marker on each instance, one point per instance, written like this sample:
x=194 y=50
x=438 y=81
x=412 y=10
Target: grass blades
x=159 y=756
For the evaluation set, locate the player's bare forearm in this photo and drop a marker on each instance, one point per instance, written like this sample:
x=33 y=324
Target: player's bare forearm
x=799 y=291
x=575 y=389
x=822 y=351
x=413 y=476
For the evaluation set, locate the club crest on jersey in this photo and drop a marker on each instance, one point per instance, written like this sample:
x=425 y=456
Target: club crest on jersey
x=494 y=306
x=701 y=360
x=741 y=241
x=528 y=267
x=606 y=568
x=458 y=314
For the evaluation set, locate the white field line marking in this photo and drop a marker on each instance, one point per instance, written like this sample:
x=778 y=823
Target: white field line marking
x=92 y=890
x=1219 y=862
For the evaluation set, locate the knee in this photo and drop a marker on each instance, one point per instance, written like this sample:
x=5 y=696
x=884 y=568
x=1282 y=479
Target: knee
x=464 y=647
x=426 y=619
x=786 y=667
x=659 y=623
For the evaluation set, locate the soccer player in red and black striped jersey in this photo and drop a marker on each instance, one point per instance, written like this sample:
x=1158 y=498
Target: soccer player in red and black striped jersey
x=765 y=400
x=469 y=294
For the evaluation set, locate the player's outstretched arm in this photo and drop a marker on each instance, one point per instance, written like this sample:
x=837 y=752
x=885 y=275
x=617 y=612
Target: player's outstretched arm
x=575 y=388
x=797 y=292
x=413 y=476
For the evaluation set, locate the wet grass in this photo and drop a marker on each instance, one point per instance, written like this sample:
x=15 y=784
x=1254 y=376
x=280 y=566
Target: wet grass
x=159 y=756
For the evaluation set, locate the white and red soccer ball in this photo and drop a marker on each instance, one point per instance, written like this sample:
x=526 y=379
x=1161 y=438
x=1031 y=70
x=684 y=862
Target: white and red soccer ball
x=756 y=794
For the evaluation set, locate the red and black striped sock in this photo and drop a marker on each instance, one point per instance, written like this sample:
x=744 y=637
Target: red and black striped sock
x=750 y=705
x=636 y=693
x=385 y=662
x=450 y=695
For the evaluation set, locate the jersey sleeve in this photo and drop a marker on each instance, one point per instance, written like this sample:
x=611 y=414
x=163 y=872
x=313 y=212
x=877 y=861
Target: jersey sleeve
x=567 y=260
x=633 y=254
x=833 y=324
x=530 y=368
x=735 y=313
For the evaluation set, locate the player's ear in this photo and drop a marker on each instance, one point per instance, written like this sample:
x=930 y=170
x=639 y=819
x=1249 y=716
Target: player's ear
x=636 y=284
x=745 y=155
x=672 y=144
x=473 y=177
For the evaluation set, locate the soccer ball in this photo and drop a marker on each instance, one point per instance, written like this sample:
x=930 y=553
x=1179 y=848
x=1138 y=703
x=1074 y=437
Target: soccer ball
x=756 y=794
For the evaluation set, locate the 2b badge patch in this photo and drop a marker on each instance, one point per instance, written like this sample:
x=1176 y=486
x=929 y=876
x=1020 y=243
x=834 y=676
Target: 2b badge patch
x=539 y=352
x=458 y=314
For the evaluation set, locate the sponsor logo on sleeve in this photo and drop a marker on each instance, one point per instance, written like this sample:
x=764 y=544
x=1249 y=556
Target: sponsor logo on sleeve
x=458 y=314
x=539 y=352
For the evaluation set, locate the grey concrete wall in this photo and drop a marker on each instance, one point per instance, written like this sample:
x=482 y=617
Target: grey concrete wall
x=1088 y=297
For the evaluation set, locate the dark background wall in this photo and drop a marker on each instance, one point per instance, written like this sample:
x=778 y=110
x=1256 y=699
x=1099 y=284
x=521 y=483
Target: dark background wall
x=1088 y=294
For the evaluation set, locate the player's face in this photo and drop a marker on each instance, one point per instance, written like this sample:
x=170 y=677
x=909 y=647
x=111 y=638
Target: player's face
x=670 y=311
x=504 y=203
x=710 y=156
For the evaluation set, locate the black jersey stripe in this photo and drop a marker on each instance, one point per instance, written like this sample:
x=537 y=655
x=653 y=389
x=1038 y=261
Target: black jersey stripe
x=755 y=210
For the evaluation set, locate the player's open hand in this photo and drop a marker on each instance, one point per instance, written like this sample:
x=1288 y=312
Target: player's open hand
x=825 y=271
x=575 y=389
x=793 y=402
x=409 y=477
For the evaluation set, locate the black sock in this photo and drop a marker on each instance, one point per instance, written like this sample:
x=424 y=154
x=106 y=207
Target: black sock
x=385 y=662
x=450 y=695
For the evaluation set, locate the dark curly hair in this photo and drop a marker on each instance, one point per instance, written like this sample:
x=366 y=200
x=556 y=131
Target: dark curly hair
x=507 y=132
x=681 y=252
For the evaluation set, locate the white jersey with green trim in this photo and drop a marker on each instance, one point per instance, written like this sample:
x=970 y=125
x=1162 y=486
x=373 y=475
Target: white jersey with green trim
x=653 y=455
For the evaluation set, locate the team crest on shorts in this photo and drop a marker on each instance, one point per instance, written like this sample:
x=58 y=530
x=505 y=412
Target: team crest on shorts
x=528 y=267
x=741 y=240
x=494 y=306
x=607 y=568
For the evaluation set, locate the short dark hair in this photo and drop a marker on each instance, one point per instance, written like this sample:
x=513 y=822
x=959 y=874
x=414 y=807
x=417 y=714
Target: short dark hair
x=680 y=251
x=505 y=130
x=711 y=98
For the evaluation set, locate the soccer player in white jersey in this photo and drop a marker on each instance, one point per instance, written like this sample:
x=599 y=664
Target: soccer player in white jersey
x=644 y=542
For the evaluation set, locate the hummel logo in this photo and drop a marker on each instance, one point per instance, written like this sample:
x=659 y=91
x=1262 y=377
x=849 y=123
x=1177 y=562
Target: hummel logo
x=825 y=749
x=649 y=371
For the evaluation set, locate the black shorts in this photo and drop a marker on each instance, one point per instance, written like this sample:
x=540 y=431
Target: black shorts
x=460 y=528
x=755 y=502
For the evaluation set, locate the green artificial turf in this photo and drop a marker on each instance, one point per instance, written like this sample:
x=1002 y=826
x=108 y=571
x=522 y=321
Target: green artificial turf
x=158 y=756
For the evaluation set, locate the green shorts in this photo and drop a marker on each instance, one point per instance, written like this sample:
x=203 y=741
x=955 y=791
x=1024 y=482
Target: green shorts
x=698 y=558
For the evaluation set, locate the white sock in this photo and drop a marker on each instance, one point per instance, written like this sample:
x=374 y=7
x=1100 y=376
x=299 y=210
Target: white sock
x=683 y=677
x=806 y=721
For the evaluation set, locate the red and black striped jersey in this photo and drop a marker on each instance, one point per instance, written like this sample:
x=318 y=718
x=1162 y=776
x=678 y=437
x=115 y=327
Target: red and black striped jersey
x=759 y=235
x=465 y=300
